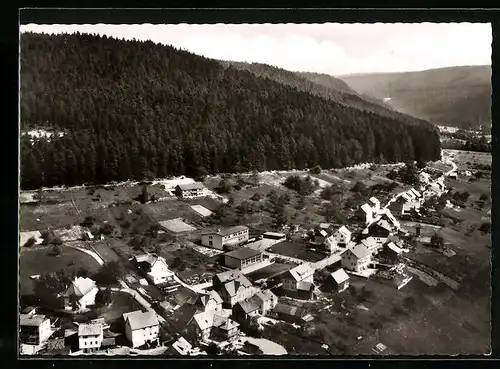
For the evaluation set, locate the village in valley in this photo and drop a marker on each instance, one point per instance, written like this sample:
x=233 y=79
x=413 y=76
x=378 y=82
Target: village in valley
x=373 y=259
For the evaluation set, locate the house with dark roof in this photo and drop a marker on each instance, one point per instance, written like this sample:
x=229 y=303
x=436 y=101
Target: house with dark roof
x=232 y=286
x=365 y=213
x=210 y=301
x=215 y=324
x=356 y=258
x=291 y=314
x=231 y=236
x=391 y=252
x=141 y=327
x=380 y=231
x=242 y=258
x=156 y=269
x=245 y=309
x=191 y=190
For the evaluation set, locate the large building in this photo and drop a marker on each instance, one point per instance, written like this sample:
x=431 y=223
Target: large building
x=232 y=236
x=191 y=190
x=232 y=286
x=90 y=336
x=356 y=258
x=242 y=258
x=141 y=328
x=34 y=332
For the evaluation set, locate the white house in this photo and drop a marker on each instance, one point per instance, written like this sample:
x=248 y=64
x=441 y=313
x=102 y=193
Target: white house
x=34 y=331
x=267 y=301
x=232 y=236
x=343 y=236
x=82 y=291
x=191 y=190
x=141 y=328
x=356 y=258
x=301 y=273
x=371 y=245
x=340 y=280
x=210 y=301
x=375 y=204
x=158 y=272
x=232 y=286
x=365 y=212
x=90 y=336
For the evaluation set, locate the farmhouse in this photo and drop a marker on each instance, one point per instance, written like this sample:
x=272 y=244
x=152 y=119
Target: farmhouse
x=245 y=309
x=203 y=325
x=291 y=313
x=380 y=231
x=342 y=236
x=267 y=301
x=34 y=331
x=339 y=280
x=80 y=294
x=156 y=269
x=402 y=206
x=371 y=244
x=231 y=236
x=141 y=328
x=356 y=258
x=391 y=252
x=299 y=281
x=210 y=301
x=242 y=258
x=90 y=336
x=191 y=190
x=233 y=286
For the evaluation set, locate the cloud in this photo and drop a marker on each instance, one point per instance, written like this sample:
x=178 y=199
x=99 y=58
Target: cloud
x=325 y=48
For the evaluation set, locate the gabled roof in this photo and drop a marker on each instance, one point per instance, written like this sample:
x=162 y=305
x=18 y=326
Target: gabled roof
x=301 y=271
x=204 y=320
x=249 y=305
x=234 y=286
x=214 y=295
x=392 y=246
x=90 y=329
x=80 y=287
x=366 y=208
x=406 y=196
x=323 y=233
x=224 y=323
x=417 y=193
x=290 y=310
x=340 y=276
x=243 y=253
x=383 y=224
x=29 y=309
x=34 y=320
x=191 y=186
x=205 y=298
x=374 y=200
x=360 y=251
x=266 y=295
x=325 y=225
x=232 y=275
x=139 y=320
x=344 y=231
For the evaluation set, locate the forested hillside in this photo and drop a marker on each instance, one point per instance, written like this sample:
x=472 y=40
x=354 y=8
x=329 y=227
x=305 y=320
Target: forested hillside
x=132 y=110
x=325 y=86
x=457 y=96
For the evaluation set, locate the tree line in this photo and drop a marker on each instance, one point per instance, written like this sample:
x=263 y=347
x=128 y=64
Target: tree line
x=135 y=110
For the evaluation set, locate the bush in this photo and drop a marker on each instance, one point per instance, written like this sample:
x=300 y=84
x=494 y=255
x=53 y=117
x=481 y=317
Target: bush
x=484 y=197
x=437 y=240
x=30 y=242
x=256 y=197
x=315 y=170
x=212 y=349
x=88 y=221
x=485 y=227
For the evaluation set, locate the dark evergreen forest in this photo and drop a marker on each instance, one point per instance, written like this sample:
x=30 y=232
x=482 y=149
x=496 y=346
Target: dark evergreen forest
x=133 y=110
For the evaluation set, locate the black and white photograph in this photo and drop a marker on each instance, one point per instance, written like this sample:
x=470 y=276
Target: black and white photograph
x=254 y=189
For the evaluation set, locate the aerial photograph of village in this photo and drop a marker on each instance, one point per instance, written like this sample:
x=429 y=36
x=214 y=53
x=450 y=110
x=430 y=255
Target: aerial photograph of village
x=255 y=189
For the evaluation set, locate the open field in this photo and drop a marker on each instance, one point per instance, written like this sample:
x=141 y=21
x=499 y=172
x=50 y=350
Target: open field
x=121 y=303
x=269 y=271
x=37 y=217
x=296 y=250
x=176 y=225
x=36 y=260
x=467 y=159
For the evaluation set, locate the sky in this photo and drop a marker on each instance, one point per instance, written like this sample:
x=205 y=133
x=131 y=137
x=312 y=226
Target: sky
x=331 y=48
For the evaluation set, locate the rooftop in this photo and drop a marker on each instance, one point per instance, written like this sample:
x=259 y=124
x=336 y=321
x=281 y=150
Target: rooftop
x=90 y=329
x=305 y=286
x=27 y=320
x=266 y=295
x=182 y=346
x=392 y=246
x=140 y=320
x=249 y=305
x=232 y=275
x=192 y=186
x=369 y=242
x=366 y=208
x=228 y=231
x=80 y=287
x=360 y=251
x=301 y=271
x=343 y=230
x=340 y=276
x=243 y=253
x=273 y=235
x=290 y=310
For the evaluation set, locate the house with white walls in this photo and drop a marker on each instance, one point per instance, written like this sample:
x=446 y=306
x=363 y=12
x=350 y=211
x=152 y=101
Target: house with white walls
x=80 y=295
x=141 y=328
x=90 y=336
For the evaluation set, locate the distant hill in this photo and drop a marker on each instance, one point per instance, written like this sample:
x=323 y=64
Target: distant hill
x=136 y=110
x=325 y=86
x=456 y=96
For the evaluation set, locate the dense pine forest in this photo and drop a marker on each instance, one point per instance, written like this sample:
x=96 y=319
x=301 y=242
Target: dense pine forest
x=133 y=110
